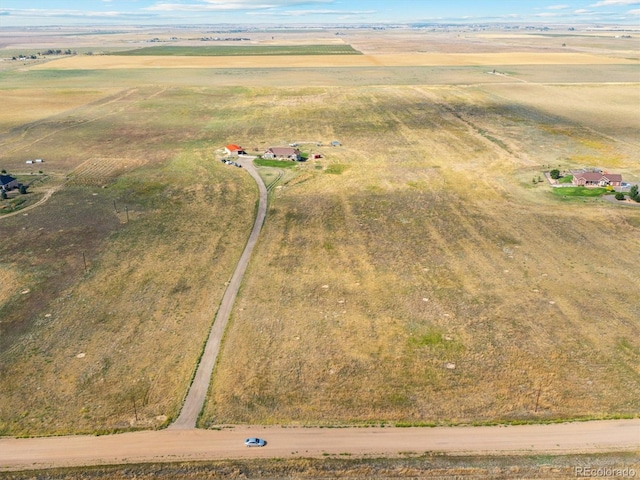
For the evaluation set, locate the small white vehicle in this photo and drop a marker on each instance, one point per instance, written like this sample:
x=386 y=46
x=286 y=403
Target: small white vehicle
x=255 y=442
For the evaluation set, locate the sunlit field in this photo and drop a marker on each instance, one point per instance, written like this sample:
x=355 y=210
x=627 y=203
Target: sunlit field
x=422 y=272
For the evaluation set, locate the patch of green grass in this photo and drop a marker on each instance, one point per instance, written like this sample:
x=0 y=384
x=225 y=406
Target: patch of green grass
x=260 y=162
x=434 y=338
x=493 y=139
x=579 y=192
x=336 y=169
x=566 y=179
x=431 y=339
x=241 y=50
x=624 y=345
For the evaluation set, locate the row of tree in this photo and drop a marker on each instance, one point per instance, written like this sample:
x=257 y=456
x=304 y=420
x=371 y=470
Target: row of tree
x=51 y=51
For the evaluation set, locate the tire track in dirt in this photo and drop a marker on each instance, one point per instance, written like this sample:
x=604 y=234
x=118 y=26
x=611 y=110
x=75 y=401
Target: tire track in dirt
x=46 y=197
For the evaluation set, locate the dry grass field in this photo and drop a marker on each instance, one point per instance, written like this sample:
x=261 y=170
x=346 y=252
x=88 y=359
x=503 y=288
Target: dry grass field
x=413 y=275
x=428 y=282
x=104 y=312
x=328 y=61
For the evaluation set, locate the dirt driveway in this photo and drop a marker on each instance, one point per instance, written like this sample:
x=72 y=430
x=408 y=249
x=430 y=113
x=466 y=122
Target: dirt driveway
x=198 y=391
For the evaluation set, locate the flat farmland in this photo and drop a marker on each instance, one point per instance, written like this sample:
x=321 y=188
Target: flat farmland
x=241 y=50
x=25 y=105
x=425 y=280
x=125 y=60
x=109 y=288
x=414 y=275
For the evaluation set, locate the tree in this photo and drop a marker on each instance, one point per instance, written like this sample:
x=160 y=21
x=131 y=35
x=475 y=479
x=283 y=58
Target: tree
x=619 y=196
x=23 y=189
x=633 y=193
x=3 y=195
x=555 y=173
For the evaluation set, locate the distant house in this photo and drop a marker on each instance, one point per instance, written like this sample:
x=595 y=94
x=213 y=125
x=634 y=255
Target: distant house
x=232 y=149
x=7 y=182
x=597 y=179
x=283 y=153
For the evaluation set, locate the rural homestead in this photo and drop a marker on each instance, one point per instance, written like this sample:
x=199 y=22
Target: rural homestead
x=587 y=178
x=305 y=237
x=282 y=153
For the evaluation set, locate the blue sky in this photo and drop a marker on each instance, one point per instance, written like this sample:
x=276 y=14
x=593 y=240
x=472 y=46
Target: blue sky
x=123 y=12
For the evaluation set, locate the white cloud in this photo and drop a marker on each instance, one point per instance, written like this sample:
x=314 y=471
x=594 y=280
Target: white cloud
x=546 y=14
x=558 y=7
x=583 y=11
x=611 y=3
x=634 y=12
x=78 y=14
x=301 y=13
x=205 y=7
x=225 y=5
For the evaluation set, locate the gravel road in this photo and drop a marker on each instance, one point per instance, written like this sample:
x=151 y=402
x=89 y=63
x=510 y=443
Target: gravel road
x=193 y=444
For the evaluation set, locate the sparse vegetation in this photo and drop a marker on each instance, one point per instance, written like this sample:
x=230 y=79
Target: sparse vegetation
x=336 y=168
x=413 y=465
x=404 y=281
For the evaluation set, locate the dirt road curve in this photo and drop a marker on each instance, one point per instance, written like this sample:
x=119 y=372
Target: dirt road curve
x=200 y=385
x=46 y=197
x=193 y=444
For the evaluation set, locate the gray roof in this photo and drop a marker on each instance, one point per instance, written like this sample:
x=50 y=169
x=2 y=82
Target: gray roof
x=284 y=151
x=6 y=179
